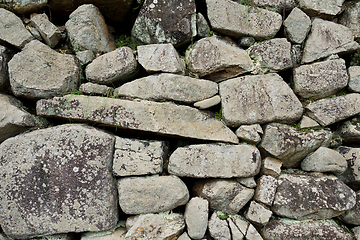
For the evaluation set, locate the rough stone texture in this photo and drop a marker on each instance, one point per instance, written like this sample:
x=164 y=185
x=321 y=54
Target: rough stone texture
x=203 y=29
x=236 y=20
x=139 y=195
x=40 y=72
x=307 y=122
x=271 y=56
x=12 y=30
x=258 y=99
x=356 y=231
x=265 y=191
x=168 y=87
x=217 y=59
x=87 y=30
x=165 y=22
x=240 y=222
x=352 y=156
x=196 y=217
x=319 y=80
x=227 y=196
x=271 y=166
x=23 y=6
x=236 y=234
x=138 y=157
x=158 y=118
x=324 y=160
x=328 y=38
x=208 y=103
x=85 y=57
x=290 y=145
x=4 y=75
x=349 y=131
x=118 y=234
x=350 y=17
x=273 y=5
x=61 y=181
x=160 y=58
x=216 y=161
x=352 y=216
x=246 y=41
x=258 y=214
x=354 y=78
x=97 y=89
x=218 y=228
x=250 y=133
x=321 y=7
x=297 y=26
x=329 y=197
x=48 y=31
x=36 y=34
x=332 y=110
x=112 y=68
x=184 y=236
x=247 y=182
x=64 y=236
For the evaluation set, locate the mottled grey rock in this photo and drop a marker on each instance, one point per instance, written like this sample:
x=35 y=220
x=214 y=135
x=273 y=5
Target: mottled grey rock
x=258 y=99
x=329 y=197
x=12 y=30
x=139 y=195
x=352 y=173
x=290 y=145
x=328 y=38
x=218 y=228
x=48 y=31
x=332 y=110
x=258 y=214
x=236 y=234
x=253 y=234
x=227 y=196
x=184 y=236
x=250 y=133
x=240 y=222
x=349 y=131
x=237 y=20
x=296 y=54
x=265 y=191
x=352 y=216
x=168 y=87
x=196 y=217
x=350 y=17
x=165 y=22
x=246 y=41
x=208 y=103
x=40 y=72
x=324 y=160
x=24 y=6
x=356 y=231
x=271 y=166
x=95 y=89
x=354 y=78
x=65 y=184
x=36 y=34
x=116 y=233
x=157 y=118
x=247 y=182
x=87 y=30
x=216 y=161
x=4 y=74
x=217 y=59
x=297 y=26
x=85 y=57
x=63 y=236
x=320 y=79
x=321 y=7
x=203 y=28
x=271 y=56
x=307 y=122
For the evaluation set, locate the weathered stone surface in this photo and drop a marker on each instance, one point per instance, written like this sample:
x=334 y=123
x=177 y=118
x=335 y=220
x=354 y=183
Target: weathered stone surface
x=354 y=78
x=296 y=54
x=4 y=74
x=36 y=34
x=246 y=41
x=307 y=122
x=160 y=58
x=271 y=166
x=40 y=72
x=265 y=191
x=258 y=99
x=349 y=131
x=202 y=26
x=184 y=236
x=12 y=30
x=290 y=145
x=241 y=223
x=237 y=20
x=196 y=217
x=87 y=30
x=158 y=118
x=85 y=57
x=271 y=56
x=352 y=216
x=236 y=234
x=297 y=26
x=134 y=157
x=217 y=59
x=250 y=133
x=273 y=5
x=247 y=182
x=116 y=233
x=208 y=103
x=218 y=228
x=356 y=231
x=138 y=195
x=165 y=22
x=320 y=79
x=23 y=6
x=324 y=160
x=258 y=214
x=48 y=31
x=321 y=7
x=350 y=17
x=328 y=38
x=332 y=110
x=61 y=180
x=95 y=89
x=227 y=196
x=168 y=87
x=216 y=161
x=252 y=233
x=305 y=229
x=329 y=197
x=64 y=236
x=352 y=173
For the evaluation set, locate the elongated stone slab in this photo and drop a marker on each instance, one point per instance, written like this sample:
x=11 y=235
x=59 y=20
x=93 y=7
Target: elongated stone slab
x=160 y=118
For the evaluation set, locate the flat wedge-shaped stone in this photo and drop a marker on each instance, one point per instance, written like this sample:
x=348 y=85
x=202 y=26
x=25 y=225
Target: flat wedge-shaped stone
x=159 y=118
x=321 y=7
x=332 y=110
x=217 y=161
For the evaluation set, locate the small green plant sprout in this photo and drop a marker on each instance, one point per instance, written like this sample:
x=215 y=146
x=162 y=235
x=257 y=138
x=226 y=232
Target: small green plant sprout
x=126 y=41
x=218 y=115
x=222 y=215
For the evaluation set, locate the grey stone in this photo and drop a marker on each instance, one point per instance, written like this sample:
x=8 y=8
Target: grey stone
x=63 y=236
x=160 y=58
x=258 y=214
x=307 y=122
x=48 y=31
x=271 y=56
x=332 y=110
x=250 y=133
x=115 y=67
x=157 y=118
x=165 y=22
x=273 y=5
x=208 y=103
x=246 y=41
x=36 y=34
x=138 y=157
x=349 y=131
x=184 y=236
x=218 y=228
x=139 y=195
x=356 y=231
x=297 y=26
x=258 y=99
x=324 y=160
x=168 y=87
x=236 y=234
x=354 y=78
x=248 y=182
x=12 y=30
x=240 y=222
x=4 y=74
x=65 y=184
x=85 y=57
x=203 y=28
x=196 y=217
x=352 y=216
x=130 y=221
x=321 y=7
x=271 y=166
x=223 y=195
x=329 y=197
x=296 y=54
x=40 y=72
x=253 y=234
x=290 y=145
x=116 y=233
x=217 y=59
x=24 y=6
x=352 y=174
x=216 y=161
x=350 y=17
x=328 y=38
x=97 y=89
x=320 y=79
x=87 y=30
x=265 y=191
x=237 y=20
